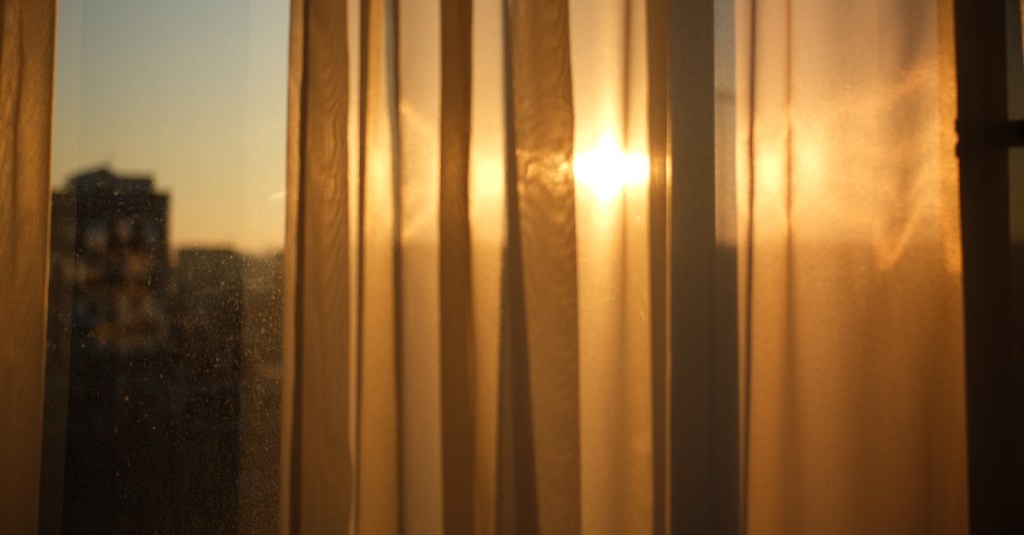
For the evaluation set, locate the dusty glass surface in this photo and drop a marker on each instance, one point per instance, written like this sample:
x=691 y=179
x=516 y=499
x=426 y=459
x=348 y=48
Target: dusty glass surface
x=164 y=339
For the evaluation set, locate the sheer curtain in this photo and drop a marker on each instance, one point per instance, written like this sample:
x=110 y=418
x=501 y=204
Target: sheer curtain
x=481 y=318
x=26 y=82
x=480 y=322
x=497 y=317
x=856 y=407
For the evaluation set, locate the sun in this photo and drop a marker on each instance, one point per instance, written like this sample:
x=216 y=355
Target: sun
x=606 y=169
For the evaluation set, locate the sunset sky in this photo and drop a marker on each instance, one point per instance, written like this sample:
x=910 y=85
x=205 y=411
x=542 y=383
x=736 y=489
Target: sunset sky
x=190 y=92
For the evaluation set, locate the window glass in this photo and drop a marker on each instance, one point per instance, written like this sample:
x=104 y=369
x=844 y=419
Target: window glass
x=164 y=341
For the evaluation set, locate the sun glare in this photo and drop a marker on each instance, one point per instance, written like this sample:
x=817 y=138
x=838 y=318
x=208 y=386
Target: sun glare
x=606 y=169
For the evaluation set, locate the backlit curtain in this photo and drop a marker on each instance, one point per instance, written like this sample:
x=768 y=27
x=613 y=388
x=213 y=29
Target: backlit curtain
x=479 y=328
x=26 y=84
x=468 y=315
x=856 y=400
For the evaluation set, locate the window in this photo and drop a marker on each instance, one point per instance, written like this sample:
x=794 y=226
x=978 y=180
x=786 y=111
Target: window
x=164 y=338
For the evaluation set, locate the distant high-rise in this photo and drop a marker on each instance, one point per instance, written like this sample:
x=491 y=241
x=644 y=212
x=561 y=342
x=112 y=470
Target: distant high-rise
x=121 y=262
x=163 y=372
x=109 y=346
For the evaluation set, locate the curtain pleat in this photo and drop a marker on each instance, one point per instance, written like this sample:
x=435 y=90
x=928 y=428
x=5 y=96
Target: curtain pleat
x=419 y=56
x=316 y=467
x=487 y=214
x=542 y=213
x=378 y=461
x=457 y=341
x=26 y=87
x=610 y=140
x=657 y=120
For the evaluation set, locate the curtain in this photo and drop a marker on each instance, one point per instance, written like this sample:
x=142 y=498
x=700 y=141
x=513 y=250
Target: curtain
x=467 y=316
x=26 y=81
x=482 y=314
x=857 y=412
x=489 y=212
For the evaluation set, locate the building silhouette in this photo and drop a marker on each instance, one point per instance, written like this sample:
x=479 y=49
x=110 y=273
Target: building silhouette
x=163 y=372
x=207 y=346
x=260 y=423
x=109 y=342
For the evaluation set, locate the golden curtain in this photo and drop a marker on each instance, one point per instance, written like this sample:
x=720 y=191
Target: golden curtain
x=478 y=332
x=26 y=84
x=497 y=312
x=856 y=401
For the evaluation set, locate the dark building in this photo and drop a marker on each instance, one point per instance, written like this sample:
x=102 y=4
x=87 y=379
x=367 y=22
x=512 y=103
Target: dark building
x=163 y=372
x=227 y=343
x=121 y=262
x=109 y=360
x=207 y=341
x=259 y=449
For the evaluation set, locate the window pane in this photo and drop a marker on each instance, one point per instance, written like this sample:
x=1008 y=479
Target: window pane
x=164 y=342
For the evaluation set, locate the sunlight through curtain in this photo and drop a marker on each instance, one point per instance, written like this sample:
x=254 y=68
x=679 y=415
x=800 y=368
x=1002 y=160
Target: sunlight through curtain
x=498 y=313
x=856 y=401
x=479 y=330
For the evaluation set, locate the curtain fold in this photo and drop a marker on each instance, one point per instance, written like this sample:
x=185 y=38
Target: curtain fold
x=544 y=356
x=458 y=354
x=430 y=144
x=657 y=216
x=378 y=499
x=316 y=468
x=26 y=86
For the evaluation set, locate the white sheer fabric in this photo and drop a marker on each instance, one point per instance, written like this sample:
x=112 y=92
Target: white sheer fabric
x=505 y=369
x=857 y=411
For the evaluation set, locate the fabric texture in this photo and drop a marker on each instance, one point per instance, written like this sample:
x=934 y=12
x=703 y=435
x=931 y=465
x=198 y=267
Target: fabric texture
x=479 y=291
x=856 y=402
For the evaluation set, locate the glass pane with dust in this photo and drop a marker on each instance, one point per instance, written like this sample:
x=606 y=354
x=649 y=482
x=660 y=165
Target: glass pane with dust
x=164 y=342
